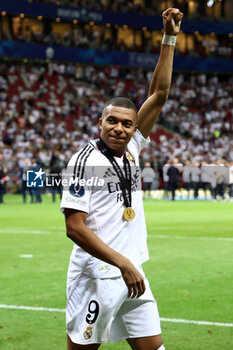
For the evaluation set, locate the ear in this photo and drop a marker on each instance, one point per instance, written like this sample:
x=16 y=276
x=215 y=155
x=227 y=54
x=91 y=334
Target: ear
x=100 y=124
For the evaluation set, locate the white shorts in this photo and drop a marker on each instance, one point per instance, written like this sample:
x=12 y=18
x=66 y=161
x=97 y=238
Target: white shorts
x=99 y=310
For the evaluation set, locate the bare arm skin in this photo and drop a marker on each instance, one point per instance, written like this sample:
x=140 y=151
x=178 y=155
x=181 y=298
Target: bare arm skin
x=79 y=233
x=161 y=80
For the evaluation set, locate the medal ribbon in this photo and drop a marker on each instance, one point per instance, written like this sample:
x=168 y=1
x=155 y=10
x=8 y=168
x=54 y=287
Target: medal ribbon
x=125 y=181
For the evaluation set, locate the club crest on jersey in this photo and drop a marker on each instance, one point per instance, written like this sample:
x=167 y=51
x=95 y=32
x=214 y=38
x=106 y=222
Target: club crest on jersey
x=130 y=158
x=88 y=333
x=76 y=190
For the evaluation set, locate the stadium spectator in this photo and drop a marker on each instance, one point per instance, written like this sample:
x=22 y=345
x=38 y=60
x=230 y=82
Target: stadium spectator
x=148 y=175
x=107 y=266
x=205 y=178
x=36 y=191
x=221 y=178
x=173 y=174
x=3 y=179
x=166 y=166
x=186 y=176
x=195 y=178
x=55 y=177
x=213 y=181
x=23 y=176
x=231 y=181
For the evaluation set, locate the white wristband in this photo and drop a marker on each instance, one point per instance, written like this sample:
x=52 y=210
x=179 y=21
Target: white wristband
x=169 y=40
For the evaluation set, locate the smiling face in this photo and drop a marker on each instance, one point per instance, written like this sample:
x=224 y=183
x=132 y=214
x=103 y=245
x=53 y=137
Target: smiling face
x=117 y=126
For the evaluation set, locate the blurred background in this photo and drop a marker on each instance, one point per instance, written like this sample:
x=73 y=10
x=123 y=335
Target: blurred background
x=60 y=61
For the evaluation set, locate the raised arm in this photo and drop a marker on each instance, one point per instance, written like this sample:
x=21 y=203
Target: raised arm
x=161 y=80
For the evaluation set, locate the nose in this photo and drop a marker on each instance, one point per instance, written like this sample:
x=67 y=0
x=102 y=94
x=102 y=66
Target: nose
x=118 y=127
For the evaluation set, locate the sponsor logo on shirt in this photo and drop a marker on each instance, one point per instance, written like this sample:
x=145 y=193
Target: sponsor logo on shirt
x=76 y=200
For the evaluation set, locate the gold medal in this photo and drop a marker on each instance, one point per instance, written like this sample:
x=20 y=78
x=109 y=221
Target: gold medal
x=128 y=214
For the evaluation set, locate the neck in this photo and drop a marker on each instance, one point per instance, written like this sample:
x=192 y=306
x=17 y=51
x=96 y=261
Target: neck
x=115 y=152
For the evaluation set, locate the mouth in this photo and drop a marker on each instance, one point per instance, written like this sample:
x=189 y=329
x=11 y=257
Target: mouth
x=117 y=138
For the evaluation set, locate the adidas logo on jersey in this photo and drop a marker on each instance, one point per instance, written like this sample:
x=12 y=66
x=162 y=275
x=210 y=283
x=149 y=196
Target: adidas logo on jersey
x=109 y=173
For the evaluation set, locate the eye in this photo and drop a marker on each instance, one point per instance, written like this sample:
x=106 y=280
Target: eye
x=128 y=124
x=111 y=120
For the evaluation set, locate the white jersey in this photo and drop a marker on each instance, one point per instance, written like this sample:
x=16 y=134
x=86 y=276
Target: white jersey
x=148 y=174
x=187 y=173
x=104 y=205
x=205 y=176
x=231 y=174
x=222 y=174
x=195 y=174
x=165 y=175
x=211 y=170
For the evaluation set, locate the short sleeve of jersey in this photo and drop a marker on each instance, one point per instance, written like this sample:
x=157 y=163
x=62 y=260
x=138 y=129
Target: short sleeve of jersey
x=76 y=194
x=139 y=141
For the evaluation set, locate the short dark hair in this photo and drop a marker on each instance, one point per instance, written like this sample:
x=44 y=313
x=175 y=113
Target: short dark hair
x=121 y=102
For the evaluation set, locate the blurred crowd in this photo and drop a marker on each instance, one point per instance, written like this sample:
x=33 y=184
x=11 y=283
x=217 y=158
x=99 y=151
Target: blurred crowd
x=143 y=7
x=199 y=9
x=200 y=112
x=107 y=37
x=49 y=111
